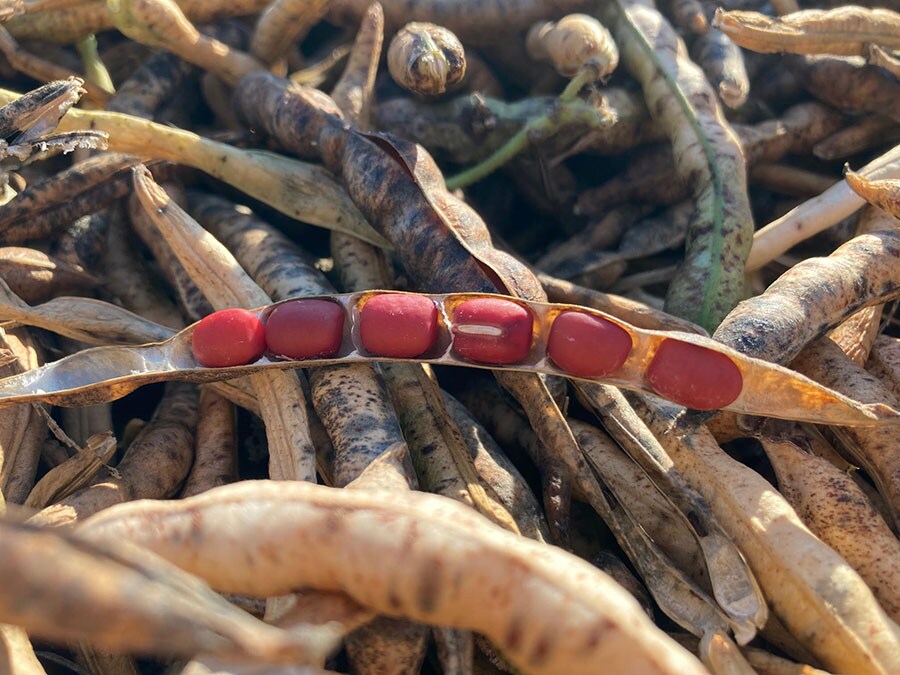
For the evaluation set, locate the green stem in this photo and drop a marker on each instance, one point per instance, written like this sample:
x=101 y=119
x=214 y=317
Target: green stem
x=582 y=78
x=94 y=69
x=546 y=125
x=704 y=315
x=487 y=166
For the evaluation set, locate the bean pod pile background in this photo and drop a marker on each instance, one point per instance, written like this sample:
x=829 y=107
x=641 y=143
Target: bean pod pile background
x=394 y=338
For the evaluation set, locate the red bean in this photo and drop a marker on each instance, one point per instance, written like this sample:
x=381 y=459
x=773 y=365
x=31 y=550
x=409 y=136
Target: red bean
x=229 y=337
x=693 y=376
x=587 y=345
x=399 y=326
x=305 y=329
x=492 y=330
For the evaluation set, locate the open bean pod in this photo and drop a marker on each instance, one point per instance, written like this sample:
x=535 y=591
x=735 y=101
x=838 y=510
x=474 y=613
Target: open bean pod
x=469 y=329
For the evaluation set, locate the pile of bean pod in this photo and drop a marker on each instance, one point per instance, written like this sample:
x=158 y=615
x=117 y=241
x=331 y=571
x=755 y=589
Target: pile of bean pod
x=449 y=336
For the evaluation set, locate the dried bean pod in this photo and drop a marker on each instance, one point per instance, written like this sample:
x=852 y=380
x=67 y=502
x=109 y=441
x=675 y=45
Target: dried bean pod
x=398 y=541
x=302 y=191
x=498 y=473
x=215 y=453
x=723 y=64
x=636 y=313
x=386 y=645
x=710 y=280
x=397 y=186
x=86 y=320
x=472 y=21
x=884 y=362
x=162 y=24
x=811 y=589
x=649 y=174
x=426 y=59
x=75 y=473
x=468 y=129
x=116 y=597
x=676 y=595
x=843 y=31
x=83 y=243
x=848 y=83
x=797 y=308
x=153 y=467
x=838 y=512
x=283 y=23
x=128 y=278
x=148 y=87
x=870 y=132
x=733 y=584
x=354 y=91
x=826 y=363
x=687 y=15
x=48 y=206
x=885 y=194
x=575 y=42
x=35 y=277
x=105 y=373
x=191 y=300
x=22 y=428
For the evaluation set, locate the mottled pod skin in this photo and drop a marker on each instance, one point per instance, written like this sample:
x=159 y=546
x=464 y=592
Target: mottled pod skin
x=694 y=376
x=305 y=329
x=489 y=330
x=398 y=326
x=587 y=345
x=229 y=337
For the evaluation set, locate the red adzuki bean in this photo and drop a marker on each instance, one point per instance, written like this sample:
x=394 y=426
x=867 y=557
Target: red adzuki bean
x=398 y=326
x=586 y=345
x=305 y=329
x=694 y=376
x=492 y=330
x=229 y=337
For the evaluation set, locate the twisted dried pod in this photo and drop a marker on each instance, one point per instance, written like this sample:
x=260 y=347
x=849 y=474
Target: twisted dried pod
x=426 y=59
x=405 y=554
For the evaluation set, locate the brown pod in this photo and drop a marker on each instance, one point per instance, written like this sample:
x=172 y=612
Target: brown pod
x=36 y=277
x=215 y=456
x=723 y=63
x=119 y=598
x=848 y=84
x=50 y=205
x=152 y=468
x=872 y=448
x=150 y=85
x=190 y=298
x=386 y=645
x=814 y=296
x=22 y=428
x=426 y=59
